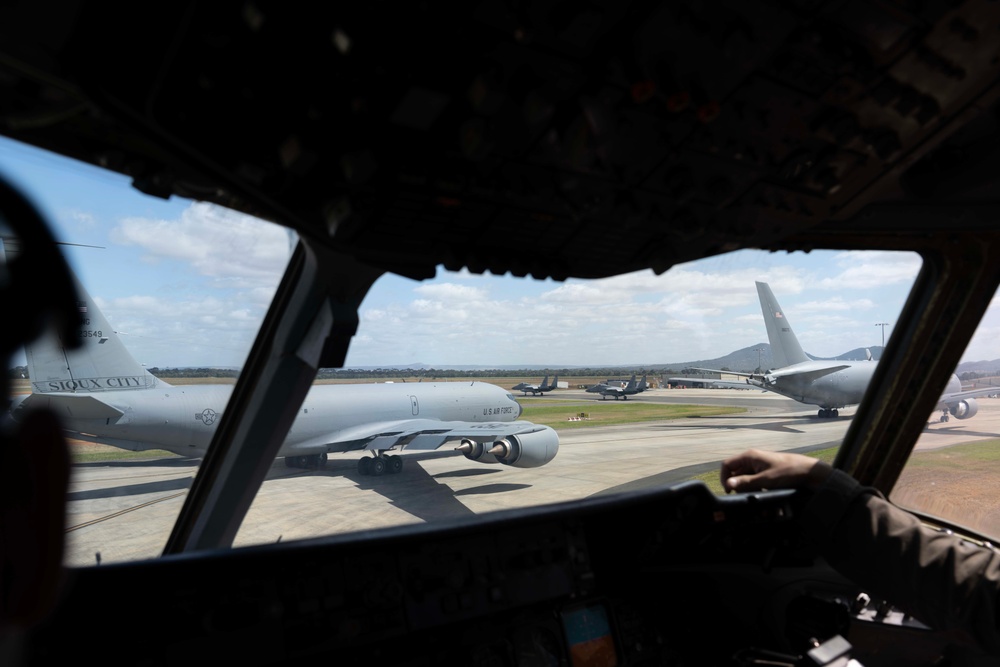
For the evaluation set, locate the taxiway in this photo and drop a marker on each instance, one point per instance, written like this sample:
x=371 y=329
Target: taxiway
x=124 y=510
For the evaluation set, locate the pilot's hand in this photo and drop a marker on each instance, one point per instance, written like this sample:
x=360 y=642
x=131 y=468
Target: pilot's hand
x=754 y=470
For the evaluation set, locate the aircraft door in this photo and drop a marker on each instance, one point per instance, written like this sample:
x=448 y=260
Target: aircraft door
x=414 y=406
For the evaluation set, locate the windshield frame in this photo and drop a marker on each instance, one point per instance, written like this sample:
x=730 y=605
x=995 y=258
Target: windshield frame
x=960 y=272
x=937 y=322
x=313 y=315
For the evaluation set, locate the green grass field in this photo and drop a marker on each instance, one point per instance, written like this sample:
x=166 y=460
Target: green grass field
x=958 y=457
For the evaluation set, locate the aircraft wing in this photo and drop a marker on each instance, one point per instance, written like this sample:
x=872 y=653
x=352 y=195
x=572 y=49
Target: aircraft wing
x=421 y=434
x=962 y=395
x=721 y=372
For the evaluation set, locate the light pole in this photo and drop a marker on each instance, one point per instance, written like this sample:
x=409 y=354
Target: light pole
x=883 y=325
x=758 y=350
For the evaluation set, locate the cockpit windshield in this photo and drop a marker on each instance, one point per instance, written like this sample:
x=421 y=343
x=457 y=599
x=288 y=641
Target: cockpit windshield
x=461 y=395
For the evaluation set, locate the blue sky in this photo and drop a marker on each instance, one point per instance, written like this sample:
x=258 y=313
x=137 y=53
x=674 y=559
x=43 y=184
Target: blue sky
x=187 y=284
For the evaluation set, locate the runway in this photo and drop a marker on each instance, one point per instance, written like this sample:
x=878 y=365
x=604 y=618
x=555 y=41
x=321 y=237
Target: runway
x=124 y=510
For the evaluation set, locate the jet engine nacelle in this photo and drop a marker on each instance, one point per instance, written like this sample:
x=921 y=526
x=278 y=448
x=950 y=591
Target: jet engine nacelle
x=476 y=451
x=528 y=450
x=963 y=409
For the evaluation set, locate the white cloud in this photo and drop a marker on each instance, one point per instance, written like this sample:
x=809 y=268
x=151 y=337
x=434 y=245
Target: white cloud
x=234 y=249
x=451 y=292
x=80 y=218
x=836 y=304
x=870 y=269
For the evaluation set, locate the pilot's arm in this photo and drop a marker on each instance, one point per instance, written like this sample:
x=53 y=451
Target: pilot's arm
x=941 y=579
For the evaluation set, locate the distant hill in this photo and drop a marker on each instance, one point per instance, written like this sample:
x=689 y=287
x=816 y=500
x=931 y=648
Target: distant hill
x=992 y=367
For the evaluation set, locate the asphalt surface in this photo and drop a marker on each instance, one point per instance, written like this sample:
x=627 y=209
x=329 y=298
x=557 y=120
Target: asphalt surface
x=124 y=510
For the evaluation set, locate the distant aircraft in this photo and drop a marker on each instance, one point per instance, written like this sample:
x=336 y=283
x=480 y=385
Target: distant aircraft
x=622 y=392
x=831 y=384
x=537 y=389
x=103 y=395
x=526 y=387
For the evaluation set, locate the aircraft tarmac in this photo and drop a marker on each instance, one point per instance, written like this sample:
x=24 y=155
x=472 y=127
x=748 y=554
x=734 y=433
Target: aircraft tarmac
x=124 y=510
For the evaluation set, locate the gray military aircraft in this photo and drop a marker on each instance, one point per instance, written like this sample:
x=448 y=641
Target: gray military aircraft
x=103 y=395
x=528 y=387
x=617 y=391
x=536 y=389
x=831 y=384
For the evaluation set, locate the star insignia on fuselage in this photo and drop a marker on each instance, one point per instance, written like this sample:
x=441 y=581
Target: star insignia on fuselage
x=207 y=416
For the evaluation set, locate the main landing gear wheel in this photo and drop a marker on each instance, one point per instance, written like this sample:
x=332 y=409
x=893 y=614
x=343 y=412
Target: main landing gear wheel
x=828 y=413
x=308 y=461
x=380 y=465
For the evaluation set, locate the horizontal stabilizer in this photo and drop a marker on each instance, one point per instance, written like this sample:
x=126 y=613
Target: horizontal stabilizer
x=120 y=443
x=807 y=375
x=71 y=406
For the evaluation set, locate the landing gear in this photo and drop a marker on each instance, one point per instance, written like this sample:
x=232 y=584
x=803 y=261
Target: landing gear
x=308 y=461
x=380 y=465
x=826 y=413
x=944 y=417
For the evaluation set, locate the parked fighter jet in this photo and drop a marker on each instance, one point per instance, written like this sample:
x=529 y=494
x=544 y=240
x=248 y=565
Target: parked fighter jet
x=618 y=391
x=831 y=384
x=104 y=395
x=528 y=387
x=536 y=389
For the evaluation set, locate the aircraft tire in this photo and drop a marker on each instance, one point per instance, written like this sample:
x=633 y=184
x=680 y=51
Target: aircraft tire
x=364 y=465
x=835 y=413
x=395 y=464
x=376 y=467
x=320 y=461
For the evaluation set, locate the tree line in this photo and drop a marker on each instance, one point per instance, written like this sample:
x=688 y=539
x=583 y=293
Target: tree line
x=388 y=373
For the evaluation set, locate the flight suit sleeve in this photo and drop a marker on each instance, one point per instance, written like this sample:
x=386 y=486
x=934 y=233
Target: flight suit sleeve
x=939 y=578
